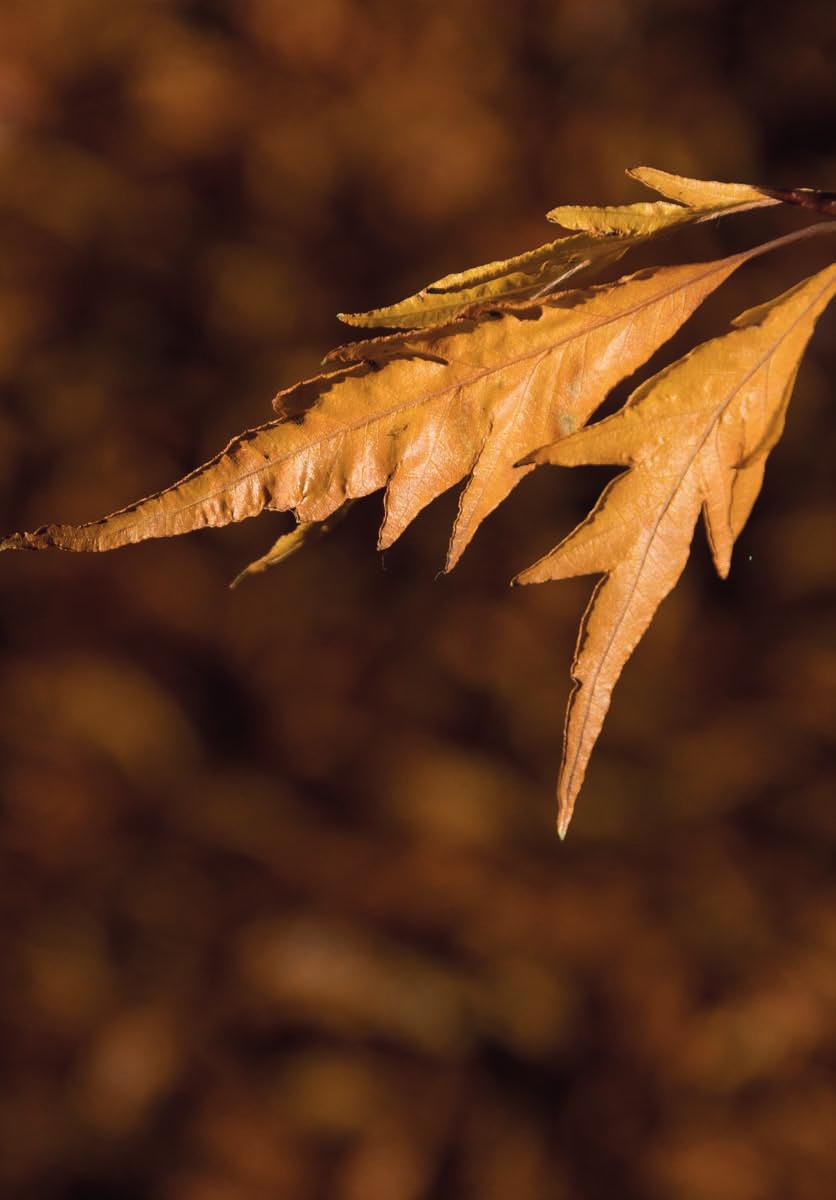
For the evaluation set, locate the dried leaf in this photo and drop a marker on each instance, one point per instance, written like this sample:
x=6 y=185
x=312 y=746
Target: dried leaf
x=694 y=436
x=421 y=412
x=707 y=197
x=524 y=276
x=604 y=235
x=416 y=412
x=622 y=220
x=288 y=544
x=696 y=200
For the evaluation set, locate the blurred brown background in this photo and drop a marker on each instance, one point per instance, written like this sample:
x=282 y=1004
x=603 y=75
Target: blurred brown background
x=283 y=912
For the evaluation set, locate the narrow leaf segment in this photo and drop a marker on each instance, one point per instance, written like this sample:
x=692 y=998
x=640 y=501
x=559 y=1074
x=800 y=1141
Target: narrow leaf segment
x=603 y=235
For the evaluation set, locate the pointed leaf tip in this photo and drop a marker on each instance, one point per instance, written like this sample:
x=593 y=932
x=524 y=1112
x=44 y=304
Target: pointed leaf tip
x=290 y=543
x=16 y=541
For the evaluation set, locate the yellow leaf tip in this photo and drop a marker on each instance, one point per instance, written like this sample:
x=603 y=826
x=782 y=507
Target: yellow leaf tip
x=17 y=541
x=522 y=578
x=353 y=319
x=565 y=808
x=454 y=553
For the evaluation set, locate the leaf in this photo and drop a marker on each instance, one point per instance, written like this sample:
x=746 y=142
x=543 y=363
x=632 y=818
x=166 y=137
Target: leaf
x=694 y=436
x=287 y=545
x=633 y=221
x=696 y=200
x=509 y=366
x=519 y=278
x=707 y=197
x=604 y=235
x=420 y=412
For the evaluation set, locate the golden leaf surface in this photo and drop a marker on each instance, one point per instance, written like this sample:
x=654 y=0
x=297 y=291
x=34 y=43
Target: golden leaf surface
x=602 y=236
x=707 y=197
x=416 y=414
x=522 y=277
x=695 y=200
x=695 y=436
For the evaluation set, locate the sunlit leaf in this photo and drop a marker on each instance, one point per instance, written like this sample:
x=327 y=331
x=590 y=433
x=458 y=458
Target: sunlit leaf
x=603 y=236
x=508 y=366
x=418 y=413
x=695 y=436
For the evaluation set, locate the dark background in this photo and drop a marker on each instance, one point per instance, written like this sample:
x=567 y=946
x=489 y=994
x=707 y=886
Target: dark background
x=284 y=915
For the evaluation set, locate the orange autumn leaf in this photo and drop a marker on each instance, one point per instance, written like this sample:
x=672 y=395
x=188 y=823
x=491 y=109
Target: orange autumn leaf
x=417 y=413
x=289 y=544
x=695 y=436
x=472 y=399
x=601 y=237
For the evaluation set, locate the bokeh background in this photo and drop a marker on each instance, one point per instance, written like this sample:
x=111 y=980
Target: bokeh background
x=283 y=913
